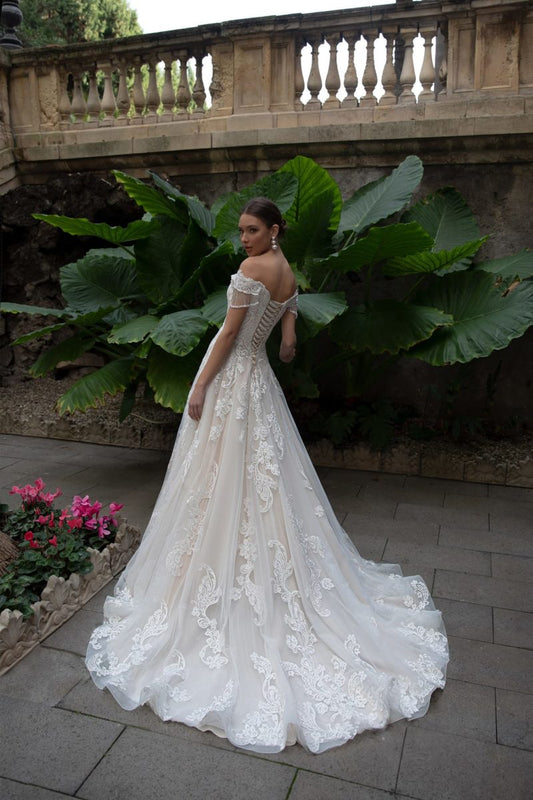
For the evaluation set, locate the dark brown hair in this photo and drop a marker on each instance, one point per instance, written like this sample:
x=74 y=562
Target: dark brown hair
x=267 y=211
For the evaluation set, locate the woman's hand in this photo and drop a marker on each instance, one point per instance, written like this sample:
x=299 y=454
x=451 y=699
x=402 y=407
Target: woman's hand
x=287 y=352
x=196 y=402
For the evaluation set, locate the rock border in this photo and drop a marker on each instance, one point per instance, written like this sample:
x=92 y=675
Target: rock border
x=62 y=597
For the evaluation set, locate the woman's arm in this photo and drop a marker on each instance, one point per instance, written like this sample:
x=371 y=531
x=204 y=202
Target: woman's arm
x=219 y=353
x=287 y=349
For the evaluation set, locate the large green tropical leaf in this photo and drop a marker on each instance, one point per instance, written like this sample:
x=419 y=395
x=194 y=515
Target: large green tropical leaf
x=313 y=180
x=180 y=332
x=170 y=377
x=68 y=350
x=136 y=330
x=381 y=198
x=209 y=264
x=446 y=216
x=215 y=307
x=90 y=391
x=43 y=311
x=484 y=319
x=378 y=245
x=96 y=282
x=518 y=266
x=83 y=321
x=431 y=262
x=159 y=261
x=203 y=217
x=280 y=188
x=387 y=326
x=150 y=199
x=310 y=236
x=317 y=310
x=80 y=226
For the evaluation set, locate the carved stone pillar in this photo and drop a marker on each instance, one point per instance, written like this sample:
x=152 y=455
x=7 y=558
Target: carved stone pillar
x=407 y=76
x=10 y=18
x=333 y=81
x=370 y=77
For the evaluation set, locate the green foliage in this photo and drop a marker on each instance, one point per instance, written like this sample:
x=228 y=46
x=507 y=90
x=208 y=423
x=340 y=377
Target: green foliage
x=69 y=21
x=372 y=289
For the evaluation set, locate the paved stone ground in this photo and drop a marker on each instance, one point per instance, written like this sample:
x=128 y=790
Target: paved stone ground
x=472 y=543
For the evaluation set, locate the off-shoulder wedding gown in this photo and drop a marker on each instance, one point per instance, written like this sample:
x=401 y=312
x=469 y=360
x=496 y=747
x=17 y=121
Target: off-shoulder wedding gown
x=247 y=611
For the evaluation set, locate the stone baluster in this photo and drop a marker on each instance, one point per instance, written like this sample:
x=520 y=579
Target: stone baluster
x=198 y=92
x=314 y=81
x=93 y=98
x=152 y=92
x=78 y=108
x=427 y=71
x=407 y=75
x=138 y=98
x=108 y=105
x=65 y=104
x=441 y=64
x=350 y=78
x=184 y=92
x=333 y=81
x=370 y=77
x=168 y=95
x=389 y=78
x=123 y=100
x=299 y=84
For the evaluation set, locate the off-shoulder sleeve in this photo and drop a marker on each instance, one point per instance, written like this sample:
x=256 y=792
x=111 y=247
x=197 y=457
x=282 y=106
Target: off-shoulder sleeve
x=292 y=305
x=242 y=291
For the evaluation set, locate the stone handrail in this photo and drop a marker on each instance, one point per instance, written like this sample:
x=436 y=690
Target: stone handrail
x=390 y=63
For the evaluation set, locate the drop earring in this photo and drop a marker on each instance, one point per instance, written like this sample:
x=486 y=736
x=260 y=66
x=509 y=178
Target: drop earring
x=274 y=243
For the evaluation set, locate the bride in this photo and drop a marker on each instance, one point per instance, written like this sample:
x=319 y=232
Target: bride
x=247 y=611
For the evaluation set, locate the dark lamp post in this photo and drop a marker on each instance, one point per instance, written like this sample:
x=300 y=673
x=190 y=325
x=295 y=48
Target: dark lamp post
x=10 y=18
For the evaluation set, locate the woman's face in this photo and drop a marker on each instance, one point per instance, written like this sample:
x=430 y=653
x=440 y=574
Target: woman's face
x=256 y=237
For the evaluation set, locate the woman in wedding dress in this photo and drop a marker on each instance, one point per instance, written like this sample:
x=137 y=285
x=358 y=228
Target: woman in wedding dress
x=247 y=611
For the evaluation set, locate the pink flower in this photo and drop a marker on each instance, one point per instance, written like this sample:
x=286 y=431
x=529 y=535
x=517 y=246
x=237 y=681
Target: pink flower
x=92 y=524
x=114 y=507
x=29 y=536
x=42 y=520
x=35 y=544
x=63 y=517
x=53 y=541
x=74 y=523
x=82 y=507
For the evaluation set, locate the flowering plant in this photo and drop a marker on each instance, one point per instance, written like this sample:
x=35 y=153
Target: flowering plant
x=51 y=541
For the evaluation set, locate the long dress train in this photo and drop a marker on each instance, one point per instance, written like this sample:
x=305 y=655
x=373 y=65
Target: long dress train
x=247 y=611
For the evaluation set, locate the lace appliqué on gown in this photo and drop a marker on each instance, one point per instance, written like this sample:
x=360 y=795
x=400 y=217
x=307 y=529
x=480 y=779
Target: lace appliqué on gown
x=247 y=610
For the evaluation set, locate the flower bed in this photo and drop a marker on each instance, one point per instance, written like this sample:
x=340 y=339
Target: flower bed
x=64 y=557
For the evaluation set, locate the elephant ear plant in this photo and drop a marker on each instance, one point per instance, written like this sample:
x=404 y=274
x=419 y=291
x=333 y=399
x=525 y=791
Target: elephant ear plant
x=150 y=302
x=378 y=280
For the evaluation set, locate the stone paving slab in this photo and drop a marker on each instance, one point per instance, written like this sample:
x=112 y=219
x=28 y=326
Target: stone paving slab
x=50 y=747
x=462 y=708
x=515 y=714
x=522 y=495
x=494 y=505
x=86 y=698
x=446 y=485
x=512 y=567
x=510 y=543
x=468 y=769
x=74 y=634
x=372 y=758
x=43 y=676
x=145 y=765
x=450 y=516
x=466 y=620
x=482 y=589
x=12 y=790
x=438 y=556
x=491 y=665
x=410 y=531
x=310 y=786
x=513 y=628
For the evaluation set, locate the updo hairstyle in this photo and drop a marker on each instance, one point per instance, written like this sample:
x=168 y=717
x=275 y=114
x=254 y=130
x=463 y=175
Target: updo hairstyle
x=267 y=211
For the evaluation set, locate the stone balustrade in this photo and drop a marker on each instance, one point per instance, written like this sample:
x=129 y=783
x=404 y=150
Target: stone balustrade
x=424 y=69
